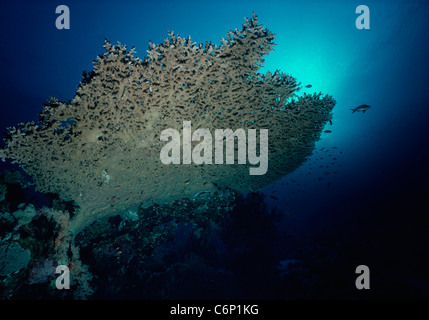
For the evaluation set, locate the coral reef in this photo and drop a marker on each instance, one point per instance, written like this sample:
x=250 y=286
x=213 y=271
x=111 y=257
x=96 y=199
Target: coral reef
x=102 y=149
x=112 y=248
x=24 y=214
x=12 y=257
x=42 y=271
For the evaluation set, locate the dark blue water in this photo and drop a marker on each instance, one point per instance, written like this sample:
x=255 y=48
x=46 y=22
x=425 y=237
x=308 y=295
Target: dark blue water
x=375 y=191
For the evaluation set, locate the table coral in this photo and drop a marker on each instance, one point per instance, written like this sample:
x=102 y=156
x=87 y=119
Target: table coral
x=102 y=148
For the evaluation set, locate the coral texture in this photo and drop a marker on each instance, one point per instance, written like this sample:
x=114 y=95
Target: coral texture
x=12 y=257
x=102 y=149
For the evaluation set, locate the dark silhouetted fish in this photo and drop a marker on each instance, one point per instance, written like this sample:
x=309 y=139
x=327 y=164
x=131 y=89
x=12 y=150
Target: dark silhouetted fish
x=362 y=108
x=308 y=86
x=328 y=131
x=274 y=197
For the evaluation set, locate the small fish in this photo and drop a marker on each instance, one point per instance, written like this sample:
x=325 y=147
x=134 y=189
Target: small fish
x=330 y=122
x=274 y=197
x=362 y=108
x=328 y=131
x=308 y=86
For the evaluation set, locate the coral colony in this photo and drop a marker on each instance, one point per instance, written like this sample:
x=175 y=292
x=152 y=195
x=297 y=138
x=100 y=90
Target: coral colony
x=106 y=149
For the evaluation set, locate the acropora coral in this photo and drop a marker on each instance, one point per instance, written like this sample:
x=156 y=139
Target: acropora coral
x=102 y=148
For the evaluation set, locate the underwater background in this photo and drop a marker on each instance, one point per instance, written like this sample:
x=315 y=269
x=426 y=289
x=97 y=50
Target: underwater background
x=362 y=198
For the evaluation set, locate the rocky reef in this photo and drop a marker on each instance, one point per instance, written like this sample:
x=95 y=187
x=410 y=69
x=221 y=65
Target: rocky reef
x=108 y=255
